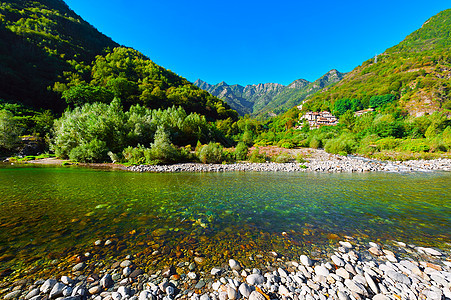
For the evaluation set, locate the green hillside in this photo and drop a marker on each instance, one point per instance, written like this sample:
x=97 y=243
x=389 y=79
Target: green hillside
x=38 y=40
x=48 y=54
x=417 y=72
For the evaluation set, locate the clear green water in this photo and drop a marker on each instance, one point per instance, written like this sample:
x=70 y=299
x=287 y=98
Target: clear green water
x=57 y=212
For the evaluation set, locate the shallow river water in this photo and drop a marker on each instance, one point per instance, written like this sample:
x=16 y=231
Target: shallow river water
x=49 y=215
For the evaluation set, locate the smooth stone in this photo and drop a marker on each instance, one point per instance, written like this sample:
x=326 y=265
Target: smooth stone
x=255 y=279
x=136 y=273
x=12 y=295
x=144 y=295
x=106 y=281
x=398 y=277
x=204 y=297
x=192 y=266
x=216 y=271
x=66 y=280
x=200 y=284
x=234 y=265
x=124 y=291
x=372 y=244
x=191 y=275
x=305 y=260
x=256 y=296
x=232 y=293
x=431 y=251
x=342 y=296
x=116 y=296
x=380 y=297
x=216 y=285
x=57 y=290
x=342 y=273
x=245 y=289
x=199 y=260
x=170 y=290
x=163 y=285
x=375 y=251
x=337 y=261
x=32 y=293
x=78 y=267
x=355 y=287
x=95 y=290
x=47 y=286
x=346 y=244
x=283 y=291
x=282 y=272
x=125 y=263
x=67 y=291
x=126 y=271
x=320 y=270
x=223 y=296
x=371 y=283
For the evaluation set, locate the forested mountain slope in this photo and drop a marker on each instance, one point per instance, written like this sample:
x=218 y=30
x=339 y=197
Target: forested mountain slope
x=49 y=56
x=417 y=72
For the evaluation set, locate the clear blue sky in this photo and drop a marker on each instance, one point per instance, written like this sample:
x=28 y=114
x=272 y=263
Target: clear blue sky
x=249 y=42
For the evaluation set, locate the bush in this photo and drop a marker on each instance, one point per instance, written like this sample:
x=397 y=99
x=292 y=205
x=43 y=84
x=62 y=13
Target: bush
x=93 y=151
x=241 y=151
x=9 y=131
x=283 y=158
x=415 y=145
x=211 y=153
x=315 y=143
x=257 y=157
x=162 y=149
x=388 y=143
x=345 y=144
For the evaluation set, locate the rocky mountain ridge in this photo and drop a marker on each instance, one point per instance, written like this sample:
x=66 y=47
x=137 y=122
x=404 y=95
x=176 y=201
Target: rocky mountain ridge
x=268 y=99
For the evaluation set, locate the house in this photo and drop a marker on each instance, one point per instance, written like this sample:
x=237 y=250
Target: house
x=318 y=119
x=362 y=112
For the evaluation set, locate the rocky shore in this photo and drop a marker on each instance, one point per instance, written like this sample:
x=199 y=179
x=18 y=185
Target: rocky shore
x=320 y=163
x=351 y=271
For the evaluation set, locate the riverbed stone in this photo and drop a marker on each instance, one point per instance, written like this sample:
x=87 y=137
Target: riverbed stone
x=256 y=296
x=398 y=277
x=355 y=287
x=305 y=260
x=342 y=273
x=216 y=271
x=234 y=265
x=245 y=289
x=78 y=267
x=380 y=297
x=255 y=279
x=345 y=244
x=47 y=286
x=375 y=251
x=106 y=281
x=322 y=271
x=337 y=261
x=95 y=290
x=12 y=295
x=57 y=290
x=125 y=263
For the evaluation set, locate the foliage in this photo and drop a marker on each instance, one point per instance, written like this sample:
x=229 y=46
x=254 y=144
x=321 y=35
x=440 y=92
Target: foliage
x=377 y=101
x=133 y=78
x=344 y=144
x=283 y=158
x=9 y=131
x=256 y=157
x=95 y=129
x=211 y=153
x=241 y=151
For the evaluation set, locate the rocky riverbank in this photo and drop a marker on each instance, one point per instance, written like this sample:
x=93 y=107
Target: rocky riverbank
x=320 y=163
x=351 y=271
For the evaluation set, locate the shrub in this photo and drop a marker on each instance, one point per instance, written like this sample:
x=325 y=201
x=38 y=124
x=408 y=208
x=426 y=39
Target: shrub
x=345 y=144
x=283 y=158
x=211 y=153
x=162 y=149
x=300 y=159
x=257 y=157
x=315 y=143
x=415 y=145
x=93 y=151
x=9 y=131
x=241 y=151
x=388 y=143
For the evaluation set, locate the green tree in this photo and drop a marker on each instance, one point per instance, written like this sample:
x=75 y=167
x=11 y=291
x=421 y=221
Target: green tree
x=9 y=131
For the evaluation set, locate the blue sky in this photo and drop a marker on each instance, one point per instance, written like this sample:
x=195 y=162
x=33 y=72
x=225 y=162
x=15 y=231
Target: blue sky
x=250 y=42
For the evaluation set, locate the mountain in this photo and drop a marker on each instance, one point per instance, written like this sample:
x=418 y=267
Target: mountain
x=417 y=72
x=37 y=42
x=270 y=98
x=49 y=54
